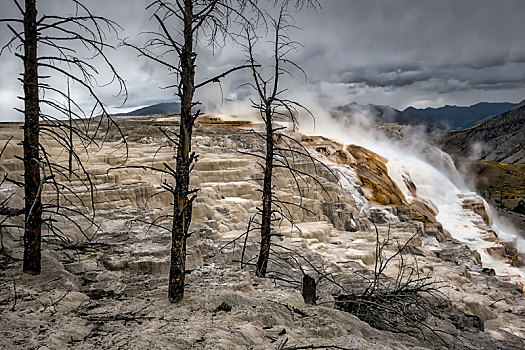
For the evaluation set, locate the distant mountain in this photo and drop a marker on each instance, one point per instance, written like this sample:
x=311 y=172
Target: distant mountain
x=160 y=108
x=382 y=113
x=501 y=139
x=446 y=118
x=455 y=117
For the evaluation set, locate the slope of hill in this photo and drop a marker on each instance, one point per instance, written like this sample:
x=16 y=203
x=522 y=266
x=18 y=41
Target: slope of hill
x=501 y=139
x=521 y=104
x=446 y=117
x=502 y=185
x=160 y=108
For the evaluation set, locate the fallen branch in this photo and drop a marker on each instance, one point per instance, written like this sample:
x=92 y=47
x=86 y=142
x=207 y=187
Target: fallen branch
x=115 y=318
x=16 y=295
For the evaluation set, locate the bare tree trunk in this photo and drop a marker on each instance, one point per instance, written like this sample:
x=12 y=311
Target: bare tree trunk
x=182 y=203
x=71 y=149
x=33 y=205
x=266 y=217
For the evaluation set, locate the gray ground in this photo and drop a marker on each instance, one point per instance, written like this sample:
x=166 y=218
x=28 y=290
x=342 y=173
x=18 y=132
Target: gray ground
x=111 y=293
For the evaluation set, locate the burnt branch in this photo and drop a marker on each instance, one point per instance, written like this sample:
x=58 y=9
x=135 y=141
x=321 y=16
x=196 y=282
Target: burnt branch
x=402 y=303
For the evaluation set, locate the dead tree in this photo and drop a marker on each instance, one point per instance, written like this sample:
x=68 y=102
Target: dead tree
x=64 y=42
x=271 y=105
x=175 y=49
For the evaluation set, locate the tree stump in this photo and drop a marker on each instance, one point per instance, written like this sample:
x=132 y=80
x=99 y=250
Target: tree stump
x=309 y=287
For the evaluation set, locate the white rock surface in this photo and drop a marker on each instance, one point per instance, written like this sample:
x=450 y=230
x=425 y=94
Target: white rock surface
x=113 y=294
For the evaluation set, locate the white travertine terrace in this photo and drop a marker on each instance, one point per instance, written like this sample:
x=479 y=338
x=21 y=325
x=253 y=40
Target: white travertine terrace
x=131 y=272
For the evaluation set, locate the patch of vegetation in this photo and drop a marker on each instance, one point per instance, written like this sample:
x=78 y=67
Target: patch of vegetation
x=501 y=184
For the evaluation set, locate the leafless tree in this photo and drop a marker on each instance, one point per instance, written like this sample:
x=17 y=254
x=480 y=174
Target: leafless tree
x=51 y=46
x=182 y=25
x=281 y=150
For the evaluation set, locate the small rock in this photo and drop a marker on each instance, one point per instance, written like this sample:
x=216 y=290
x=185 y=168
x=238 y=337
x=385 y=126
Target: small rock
x=224 y=307
x=487 y=271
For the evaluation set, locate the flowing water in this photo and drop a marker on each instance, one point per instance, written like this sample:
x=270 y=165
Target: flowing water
x=437 y=180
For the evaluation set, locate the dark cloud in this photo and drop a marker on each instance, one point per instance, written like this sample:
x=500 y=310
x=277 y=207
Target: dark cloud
x=404 y=52
x=441 y=79
x=417 y=49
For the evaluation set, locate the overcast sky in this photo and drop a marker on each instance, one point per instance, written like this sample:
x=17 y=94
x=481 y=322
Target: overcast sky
x=399 y=53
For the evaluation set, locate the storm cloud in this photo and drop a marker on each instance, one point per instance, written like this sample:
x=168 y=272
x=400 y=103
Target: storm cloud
x=398 y=53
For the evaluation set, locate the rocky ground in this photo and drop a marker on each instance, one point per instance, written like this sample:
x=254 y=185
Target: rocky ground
x=110 y=292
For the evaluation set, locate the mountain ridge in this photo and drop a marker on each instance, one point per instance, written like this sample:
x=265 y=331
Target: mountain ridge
x=448 y=117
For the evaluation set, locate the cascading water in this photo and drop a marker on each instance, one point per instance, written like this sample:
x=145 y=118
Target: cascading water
x=437 y=180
